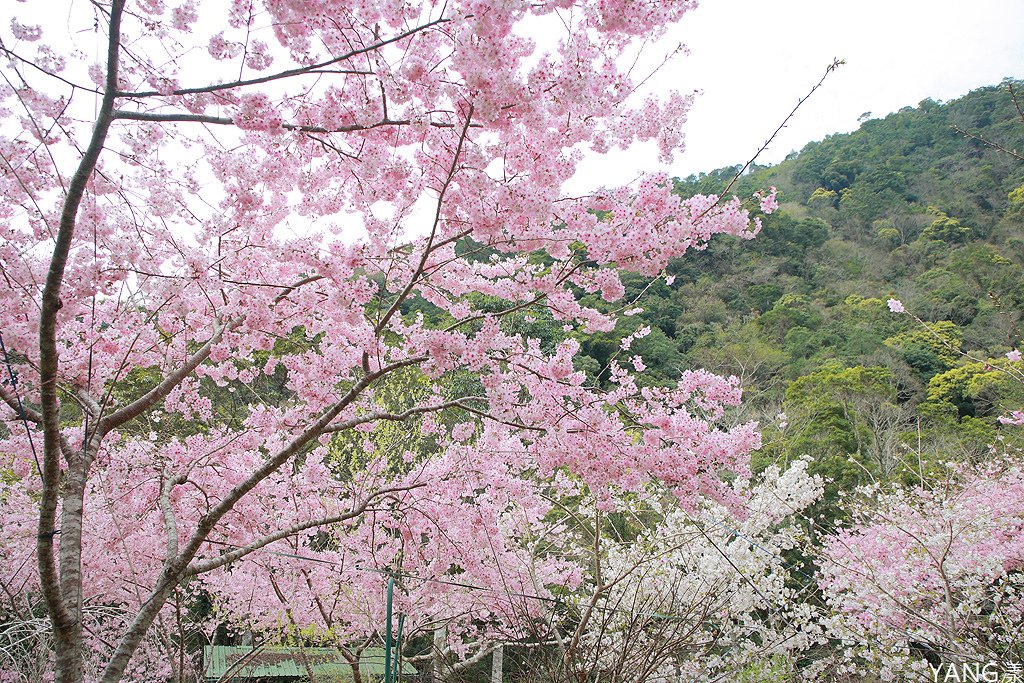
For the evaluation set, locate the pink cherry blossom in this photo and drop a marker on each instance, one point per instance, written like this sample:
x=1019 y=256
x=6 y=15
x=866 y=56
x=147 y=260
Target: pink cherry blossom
x=768 y=202
x=1015 y=418
x=934 y=566
x=266 y=297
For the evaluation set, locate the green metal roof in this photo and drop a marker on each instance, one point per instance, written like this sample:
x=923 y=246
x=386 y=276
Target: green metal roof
x=245 y=662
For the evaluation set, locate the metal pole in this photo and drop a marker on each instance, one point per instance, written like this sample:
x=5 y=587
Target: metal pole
x=398 y=649
x=440 y=645
x=387 y=633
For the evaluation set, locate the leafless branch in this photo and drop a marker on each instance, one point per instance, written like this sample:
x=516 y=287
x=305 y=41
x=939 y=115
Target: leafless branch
x=433 y=230
x=836 y=63
x=994 y=145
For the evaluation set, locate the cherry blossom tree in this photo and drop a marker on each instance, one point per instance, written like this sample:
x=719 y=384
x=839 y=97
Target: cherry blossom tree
x=647 y=592
x=457 y=549
x=931 y=577
x=226 y=228
x=673 y=592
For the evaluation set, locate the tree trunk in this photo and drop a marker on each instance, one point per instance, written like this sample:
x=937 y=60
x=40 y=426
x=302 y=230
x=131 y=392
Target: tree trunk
x=70 y=647
x=62 y=588
x=132 y=638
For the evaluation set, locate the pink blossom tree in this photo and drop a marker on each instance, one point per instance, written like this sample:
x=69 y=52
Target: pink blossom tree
x=926 y=577
x=645 y=592
x=227 y=229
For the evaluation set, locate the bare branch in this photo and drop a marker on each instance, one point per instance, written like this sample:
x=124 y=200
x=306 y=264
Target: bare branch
x=401 y=416
x=994 y=145
x=404 y=415
x=291 y=288
x=1016 y=102
x=836 y=63
x=13 y=55
x=433 y=230
x=208 y=521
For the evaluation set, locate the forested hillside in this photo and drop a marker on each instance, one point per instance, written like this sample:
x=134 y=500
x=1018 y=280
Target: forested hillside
x=907 y=207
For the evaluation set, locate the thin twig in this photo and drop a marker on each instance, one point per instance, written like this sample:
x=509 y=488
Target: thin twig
x=994 y=145
x=836 y=63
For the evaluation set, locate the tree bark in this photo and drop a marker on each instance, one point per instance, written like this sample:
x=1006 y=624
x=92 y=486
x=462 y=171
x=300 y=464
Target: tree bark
x=70 y=646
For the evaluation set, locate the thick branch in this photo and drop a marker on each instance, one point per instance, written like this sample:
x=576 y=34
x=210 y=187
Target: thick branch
x=211 y=518
x=485 y=649
x=30 y=414
x=123 y=115
x=161 y=390
x=179 y=568
x=285 y=291
x=19 y=407
x=90 y=406
x=228 y=557
x=170 y=524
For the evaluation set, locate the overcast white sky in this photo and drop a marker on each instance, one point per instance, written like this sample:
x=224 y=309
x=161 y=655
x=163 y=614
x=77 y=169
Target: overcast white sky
x=753 y=59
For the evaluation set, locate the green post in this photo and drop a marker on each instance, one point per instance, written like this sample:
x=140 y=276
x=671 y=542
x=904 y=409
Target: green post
x=387 y=633
x=398 y=649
